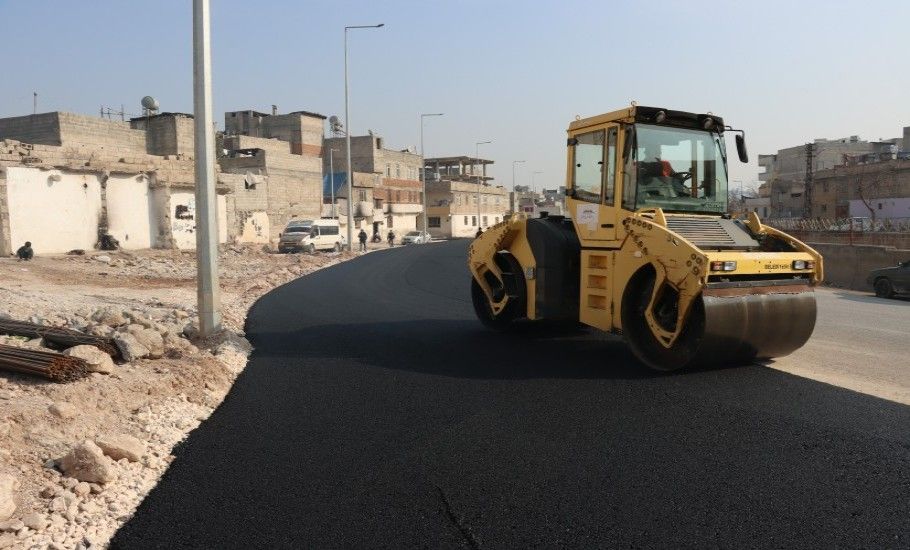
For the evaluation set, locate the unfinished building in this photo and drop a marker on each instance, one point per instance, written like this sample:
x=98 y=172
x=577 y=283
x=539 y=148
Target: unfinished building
x=461 y=198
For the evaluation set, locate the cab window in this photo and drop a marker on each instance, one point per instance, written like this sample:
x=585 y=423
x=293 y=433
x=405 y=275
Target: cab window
x=610 y=183
x=587 y=177
x=629 y=173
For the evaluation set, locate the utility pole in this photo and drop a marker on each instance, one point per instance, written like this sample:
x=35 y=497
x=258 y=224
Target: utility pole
x=347 y=134
x=477 y=160
x=423 y=171
x=207 y=289
x=807 y=193
x=514 y=163
x=532 y=179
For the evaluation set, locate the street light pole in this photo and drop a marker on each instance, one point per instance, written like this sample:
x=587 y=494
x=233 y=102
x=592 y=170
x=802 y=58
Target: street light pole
x=532 y=179
x=347 y=127
x=423 y=170
x=514 y=163
x=476 y=160
x=208 y=292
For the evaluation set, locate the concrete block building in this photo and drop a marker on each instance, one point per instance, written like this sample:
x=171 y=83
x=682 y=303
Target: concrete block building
x=386 y=184
x=278 y=159
x=878 y=189
x=67 y=180
x=784 y=176
x=461 y=198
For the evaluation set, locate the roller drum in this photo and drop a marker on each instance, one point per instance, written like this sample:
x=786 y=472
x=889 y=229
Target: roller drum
x=755 y=323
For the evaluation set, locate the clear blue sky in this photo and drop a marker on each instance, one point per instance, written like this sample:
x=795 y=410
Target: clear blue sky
x=514 y=72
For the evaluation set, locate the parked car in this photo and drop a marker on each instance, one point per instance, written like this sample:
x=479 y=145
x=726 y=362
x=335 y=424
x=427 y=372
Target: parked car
x=289 y=240
x=310 y=236
x=889 y=281
x=416 y=237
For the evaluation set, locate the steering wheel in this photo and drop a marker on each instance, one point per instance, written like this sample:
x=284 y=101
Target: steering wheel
x=683 y=176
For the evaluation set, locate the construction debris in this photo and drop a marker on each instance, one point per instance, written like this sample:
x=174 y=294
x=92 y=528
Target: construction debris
x=61 y=337
x=156 y=401
x=46 y=364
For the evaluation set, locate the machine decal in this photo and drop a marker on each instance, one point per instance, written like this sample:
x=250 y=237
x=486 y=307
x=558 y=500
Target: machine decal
x=588 y=216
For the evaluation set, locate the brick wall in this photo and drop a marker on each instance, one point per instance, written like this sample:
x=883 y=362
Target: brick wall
x=249 y=142
x=5 y=244
x=43 y=128
x=167 y=134
x=100 y=133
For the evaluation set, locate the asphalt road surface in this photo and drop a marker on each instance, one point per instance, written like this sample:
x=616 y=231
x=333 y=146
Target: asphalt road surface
x=377 y=412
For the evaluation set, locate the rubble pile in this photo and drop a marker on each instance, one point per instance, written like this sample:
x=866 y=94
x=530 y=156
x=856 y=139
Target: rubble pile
x=77 y=458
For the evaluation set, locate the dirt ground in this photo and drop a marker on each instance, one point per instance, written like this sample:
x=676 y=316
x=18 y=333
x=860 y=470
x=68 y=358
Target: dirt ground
x=156 y=401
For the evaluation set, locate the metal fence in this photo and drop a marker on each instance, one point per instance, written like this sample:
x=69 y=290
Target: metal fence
x=844 y=225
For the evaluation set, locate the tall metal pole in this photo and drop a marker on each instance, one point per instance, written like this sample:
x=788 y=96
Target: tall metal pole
x=347 y=133
x=332 y=179
x=532 y=179
x=476 y=160
x=208 y=291
x=423 y=170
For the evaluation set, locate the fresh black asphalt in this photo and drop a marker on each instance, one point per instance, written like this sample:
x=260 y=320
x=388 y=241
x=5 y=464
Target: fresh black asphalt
x=377 y=412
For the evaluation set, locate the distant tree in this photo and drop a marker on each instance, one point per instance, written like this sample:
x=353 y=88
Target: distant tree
x=872 y=181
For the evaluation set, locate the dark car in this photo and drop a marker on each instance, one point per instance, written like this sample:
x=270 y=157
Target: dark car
x=889 y=281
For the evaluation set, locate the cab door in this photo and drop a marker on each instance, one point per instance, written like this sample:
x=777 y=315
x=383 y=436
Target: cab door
x=593 y=171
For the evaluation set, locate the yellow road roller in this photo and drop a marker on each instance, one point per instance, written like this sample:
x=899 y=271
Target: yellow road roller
x=648 y=249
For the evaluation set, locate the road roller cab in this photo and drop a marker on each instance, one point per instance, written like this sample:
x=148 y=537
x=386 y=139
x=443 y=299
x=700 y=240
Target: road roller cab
x=649 y=250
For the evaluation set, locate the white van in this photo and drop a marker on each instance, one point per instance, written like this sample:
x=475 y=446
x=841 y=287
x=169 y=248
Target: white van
x=322 y=235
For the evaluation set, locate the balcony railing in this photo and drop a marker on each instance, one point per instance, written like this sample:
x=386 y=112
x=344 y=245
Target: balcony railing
x=404 y=208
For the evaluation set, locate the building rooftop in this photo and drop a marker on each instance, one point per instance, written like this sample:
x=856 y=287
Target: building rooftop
x=307 y=113
x=261 y=114
x=159 y=115
x=463 y=159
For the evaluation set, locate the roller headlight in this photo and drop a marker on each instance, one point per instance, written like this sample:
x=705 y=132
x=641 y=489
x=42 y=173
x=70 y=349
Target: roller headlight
x=803 y=264
x=723 y=266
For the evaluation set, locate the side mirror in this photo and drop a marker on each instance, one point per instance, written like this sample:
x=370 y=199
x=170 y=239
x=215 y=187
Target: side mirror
x=741 y=148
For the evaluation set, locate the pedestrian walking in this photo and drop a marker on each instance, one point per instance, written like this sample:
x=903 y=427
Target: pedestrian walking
x=362 y=236
x=391 y=238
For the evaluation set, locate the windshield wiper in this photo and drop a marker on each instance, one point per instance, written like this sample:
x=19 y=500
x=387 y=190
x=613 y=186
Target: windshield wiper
x=721 y=149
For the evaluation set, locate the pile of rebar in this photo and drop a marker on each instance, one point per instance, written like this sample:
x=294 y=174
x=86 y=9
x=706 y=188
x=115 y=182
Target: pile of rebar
x=57 y=337
x=46 y=364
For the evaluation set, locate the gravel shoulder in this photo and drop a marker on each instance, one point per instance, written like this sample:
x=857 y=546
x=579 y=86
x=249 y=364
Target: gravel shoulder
x=76 y=459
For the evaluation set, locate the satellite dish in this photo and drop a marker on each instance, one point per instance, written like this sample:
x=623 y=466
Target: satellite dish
x=336 y=125
x=149 y=103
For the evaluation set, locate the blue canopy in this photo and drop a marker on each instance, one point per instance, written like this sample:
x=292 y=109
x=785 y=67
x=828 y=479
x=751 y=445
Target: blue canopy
x=340 y=179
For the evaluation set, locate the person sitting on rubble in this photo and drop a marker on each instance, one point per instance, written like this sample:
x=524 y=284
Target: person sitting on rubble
x=25 y=253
